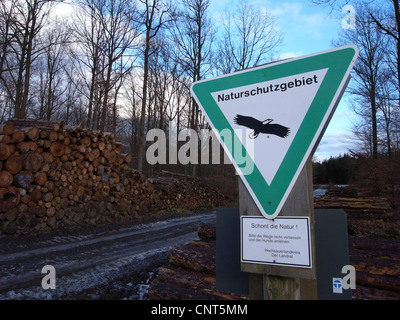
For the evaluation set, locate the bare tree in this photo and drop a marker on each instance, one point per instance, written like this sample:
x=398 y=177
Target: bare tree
x=369 y=69
x=388 y=22
x=162 y=80
x=7 y=21
x=120 y=35
x=249 y=39
x=388 y=112
x=26 y=19
x=89 y=37
x=194 y=35
x=107 y=35
x=156 y=14
x=51 y=70
x=376 y=72
x=386 y=16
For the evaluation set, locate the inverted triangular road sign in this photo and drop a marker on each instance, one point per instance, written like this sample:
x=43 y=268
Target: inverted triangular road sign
x=271 y=118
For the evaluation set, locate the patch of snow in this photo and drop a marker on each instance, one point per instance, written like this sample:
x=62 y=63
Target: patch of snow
x=87 y=279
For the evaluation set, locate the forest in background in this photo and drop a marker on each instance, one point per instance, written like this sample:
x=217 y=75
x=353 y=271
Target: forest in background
x=126 y=66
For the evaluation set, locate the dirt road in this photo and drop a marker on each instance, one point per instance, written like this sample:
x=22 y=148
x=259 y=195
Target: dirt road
x=113 y=262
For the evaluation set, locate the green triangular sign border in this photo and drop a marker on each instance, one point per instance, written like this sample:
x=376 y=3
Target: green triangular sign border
x=338 y=62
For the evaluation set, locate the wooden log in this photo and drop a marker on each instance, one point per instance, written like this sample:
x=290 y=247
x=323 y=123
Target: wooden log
x=23 y=220
x=378 y=281
x=11 y=215
x=9 y=227
x=53 y=136
x=66 y=140
x=5 y=138
x=18 y=136
x=40 y=178
x=101 y=145
x=5 y=151
x=127 y=158
x=64 y=192
x=23 y=147
x=6 y=179
x=11 y=196
x=186 y=278
x=33 y=146
x=160 y=290
x=57 y=126
x=32 y=133
x=36 y=195
x=40 y=124
x=43 y=134
x=48 y=197
x=93 y=154
x=85 y=141
x=33 y=162
x=7 y=128
x=47 y=157
x=111 y=156
x=57 y=149
x=198 y=259
x=355 y=207
x=26 y=198
x=14 y=164
x=207 y=231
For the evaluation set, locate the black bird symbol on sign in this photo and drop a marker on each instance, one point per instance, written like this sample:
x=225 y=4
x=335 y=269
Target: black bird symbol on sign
x=261 y=126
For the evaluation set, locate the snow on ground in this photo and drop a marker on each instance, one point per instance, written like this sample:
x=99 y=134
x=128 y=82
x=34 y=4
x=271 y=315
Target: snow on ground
x=120 y=275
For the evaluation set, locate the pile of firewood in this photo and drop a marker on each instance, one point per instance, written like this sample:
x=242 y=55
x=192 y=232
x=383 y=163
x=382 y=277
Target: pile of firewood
x=177 y=190
x=363 y=208
x=376 y=261
x=373 y=228
x=53 y=175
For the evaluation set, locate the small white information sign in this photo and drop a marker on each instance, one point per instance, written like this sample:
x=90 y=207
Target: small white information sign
x=284 y=241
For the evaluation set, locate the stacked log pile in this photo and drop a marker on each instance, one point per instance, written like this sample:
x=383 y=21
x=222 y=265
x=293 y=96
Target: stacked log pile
x=191 y=272
x=363 y=208
x=53 y=175
x=377 y=264
x=177 y=190
x=342 y=192
x=374 y=228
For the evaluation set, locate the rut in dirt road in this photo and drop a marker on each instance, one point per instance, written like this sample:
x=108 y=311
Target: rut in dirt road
x=84 y=260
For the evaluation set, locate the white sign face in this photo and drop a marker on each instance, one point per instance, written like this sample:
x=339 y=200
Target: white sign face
x=284 y=241
x=281 y=102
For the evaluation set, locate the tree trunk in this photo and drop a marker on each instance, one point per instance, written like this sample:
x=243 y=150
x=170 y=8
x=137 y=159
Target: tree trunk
x=143 y=110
